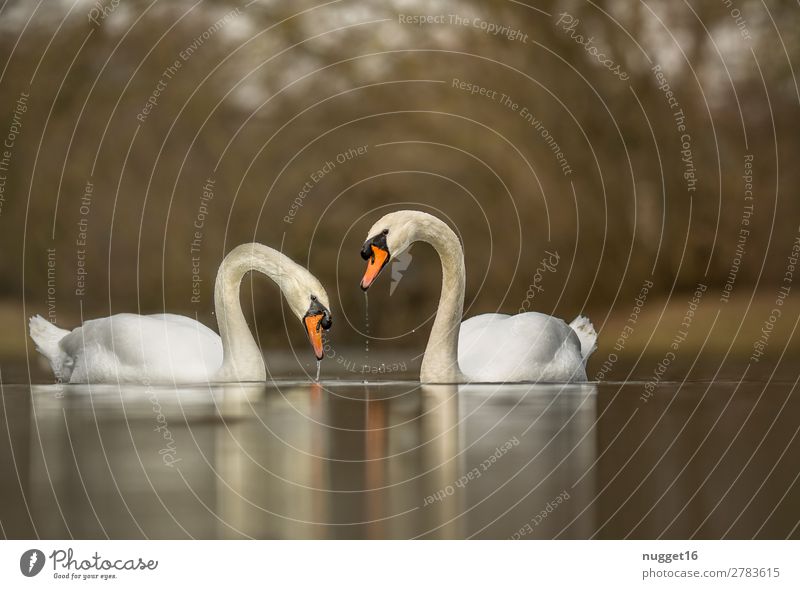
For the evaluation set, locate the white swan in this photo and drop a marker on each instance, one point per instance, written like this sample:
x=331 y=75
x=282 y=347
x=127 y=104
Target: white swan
x=133 y=348
x=486 y=348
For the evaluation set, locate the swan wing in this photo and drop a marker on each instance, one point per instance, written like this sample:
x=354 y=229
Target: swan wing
x=143 y=348
x=524 y=347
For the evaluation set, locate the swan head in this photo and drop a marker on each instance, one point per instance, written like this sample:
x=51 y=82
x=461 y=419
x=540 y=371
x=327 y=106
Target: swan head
x=390 y=236
x=316 y=320
x=309 y=302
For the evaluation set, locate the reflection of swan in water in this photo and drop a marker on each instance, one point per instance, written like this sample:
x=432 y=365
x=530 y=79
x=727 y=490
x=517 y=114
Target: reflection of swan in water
x=490 y=347
x=440 y=435
x=346 y=462
x=532 y=444
x=276 y=462
x=172 y=348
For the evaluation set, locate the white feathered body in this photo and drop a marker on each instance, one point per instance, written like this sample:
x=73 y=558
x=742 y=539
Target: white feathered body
x=525 y=347
x=130 y=348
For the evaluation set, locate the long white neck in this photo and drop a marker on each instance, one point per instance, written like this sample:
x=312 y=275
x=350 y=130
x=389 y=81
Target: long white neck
x=440 y=363
x=242 y=359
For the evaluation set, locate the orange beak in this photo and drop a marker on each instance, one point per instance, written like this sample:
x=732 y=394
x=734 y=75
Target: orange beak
x=374 y=266
x=314 y=330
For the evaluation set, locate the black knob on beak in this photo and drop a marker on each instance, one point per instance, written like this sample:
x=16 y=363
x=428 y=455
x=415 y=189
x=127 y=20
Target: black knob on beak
x=366 y=251
x=317 y=308
x=378 y=241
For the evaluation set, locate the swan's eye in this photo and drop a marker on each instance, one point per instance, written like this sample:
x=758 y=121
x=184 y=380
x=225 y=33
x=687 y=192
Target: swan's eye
x=313 y=298
x=385 y=232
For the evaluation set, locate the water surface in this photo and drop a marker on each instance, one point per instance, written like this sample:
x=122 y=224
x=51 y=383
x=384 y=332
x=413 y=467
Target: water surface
x=397 y=460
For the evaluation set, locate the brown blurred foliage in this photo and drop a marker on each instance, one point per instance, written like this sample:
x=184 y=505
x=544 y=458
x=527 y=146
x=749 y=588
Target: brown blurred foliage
x=282 y=88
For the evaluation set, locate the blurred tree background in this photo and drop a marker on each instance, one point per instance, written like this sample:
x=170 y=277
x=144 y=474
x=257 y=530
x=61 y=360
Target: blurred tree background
x=261 y=98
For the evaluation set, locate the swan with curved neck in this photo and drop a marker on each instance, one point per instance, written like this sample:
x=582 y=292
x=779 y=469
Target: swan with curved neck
x=486 y=348
x=175 y=349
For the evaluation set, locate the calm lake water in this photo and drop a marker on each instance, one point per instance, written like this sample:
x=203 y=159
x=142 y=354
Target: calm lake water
x=399 y=460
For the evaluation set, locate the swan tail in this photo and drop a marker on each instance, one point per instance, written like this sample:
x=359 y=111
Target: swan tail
x=587 y=334
x=47 y=336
